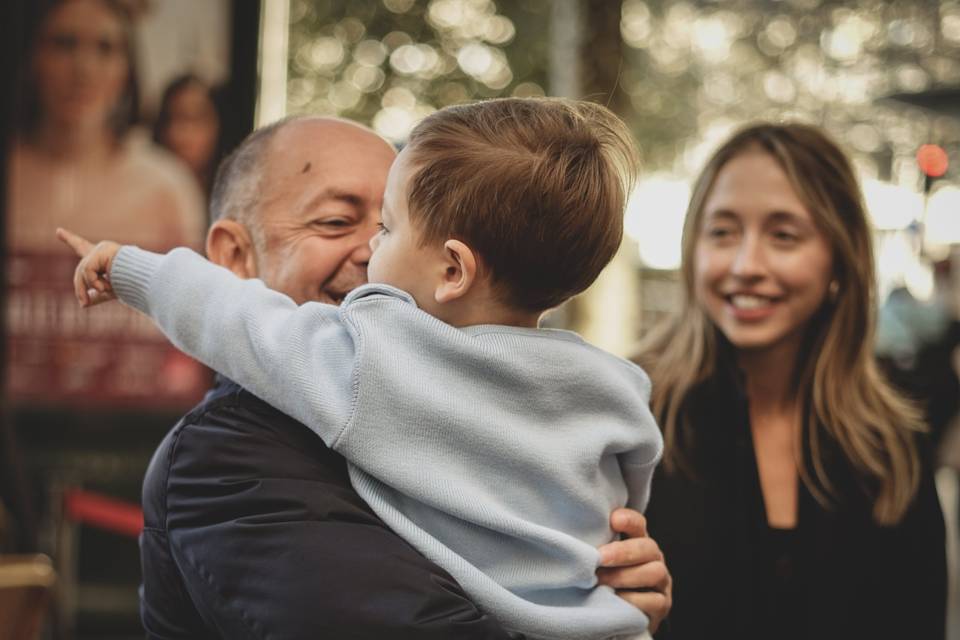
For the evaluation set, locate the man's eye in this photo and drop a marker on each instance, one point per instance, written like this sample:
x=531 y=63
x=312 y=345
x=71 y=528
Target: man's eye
x=335 y=223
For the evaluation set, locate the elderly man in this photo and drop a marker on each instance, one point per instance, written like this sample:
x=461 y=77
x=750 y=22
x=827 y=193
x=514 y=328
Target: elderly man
x=252 y=529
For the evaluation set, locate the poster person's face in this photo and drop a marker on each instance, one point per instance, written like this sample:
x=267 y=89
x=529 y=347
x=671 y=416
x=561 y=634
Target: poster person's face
x=80 y=64
x=193 y=128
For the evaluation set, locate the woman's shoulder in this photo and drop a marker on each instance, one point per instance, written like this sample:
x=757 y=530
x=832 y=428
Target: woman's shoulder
x=164 y=185
x=139 y=157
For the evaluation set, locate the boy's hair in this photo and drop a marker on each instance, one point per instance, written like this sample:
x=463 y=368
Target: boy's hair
x=537 y=186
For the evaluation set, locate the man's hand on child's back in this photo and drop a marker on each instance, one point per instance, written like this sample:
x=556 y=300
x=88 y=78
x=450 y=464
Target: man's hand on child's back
x=91 y=280
x=635 y=567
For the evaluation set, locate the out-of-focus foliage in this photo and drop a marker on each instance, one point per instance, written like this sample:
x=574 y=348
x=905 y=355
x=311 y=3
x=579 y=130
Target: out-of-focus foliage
x=391 y=62
x=682 y=73
x=694 y=69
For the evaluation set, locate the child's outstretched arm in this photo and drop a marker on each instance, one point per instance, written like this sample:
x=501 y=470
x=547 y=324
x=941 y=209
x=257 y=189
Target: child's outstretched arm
x=298 y=359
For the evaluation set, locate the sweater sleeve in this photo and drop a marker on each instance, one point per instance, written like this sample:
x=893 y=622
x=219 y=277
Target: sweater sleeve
x=638 y=478
x=298 y=359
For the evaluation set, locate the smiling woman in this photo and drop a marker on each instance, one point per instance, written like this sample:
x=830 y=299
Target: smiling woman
x=777 y=421
x=763 y=266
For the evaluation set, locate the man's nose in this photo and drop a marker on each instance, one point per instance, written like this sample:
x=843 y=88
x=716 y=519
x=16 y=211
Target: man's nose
x=361 y=253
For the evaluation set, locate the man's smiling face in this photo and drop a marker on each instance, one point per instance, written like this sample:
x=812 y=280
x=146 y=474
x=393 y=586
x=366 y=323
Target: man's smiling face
x=320 y=198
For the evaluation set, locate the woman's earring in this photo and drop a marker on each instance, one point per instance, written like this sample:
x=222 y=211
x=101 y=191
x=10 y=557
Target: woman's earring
x=833 y=290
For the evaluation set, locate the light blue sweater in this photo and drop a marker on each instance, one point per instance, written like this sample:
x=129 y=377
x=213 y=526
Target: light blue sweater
x=498 y=452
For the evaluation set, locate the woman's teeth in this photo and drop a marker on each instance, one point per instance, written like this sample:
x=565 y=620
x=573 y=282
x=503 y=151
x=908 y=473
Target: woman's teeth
x=747 y=302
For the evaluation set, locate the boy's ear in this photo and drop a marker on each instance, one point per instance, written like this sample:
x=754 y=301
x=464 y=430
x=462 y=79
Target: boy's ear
x=460 y=271
x=229 y=245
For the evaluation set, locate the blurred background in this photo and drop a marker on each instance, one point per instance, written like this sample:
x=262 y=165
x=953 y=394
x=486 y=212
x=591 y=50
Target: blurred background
x=79 y=421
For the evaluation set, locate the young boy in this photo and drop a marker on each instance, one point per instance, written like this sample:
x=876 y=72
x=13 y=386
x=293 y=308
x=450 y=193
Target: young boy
x=496 y=448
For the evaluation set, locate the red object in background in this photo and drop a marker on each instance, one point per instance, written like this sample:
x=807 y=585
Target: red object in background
x=108 y=357
x=96 y=510
x=933 y=160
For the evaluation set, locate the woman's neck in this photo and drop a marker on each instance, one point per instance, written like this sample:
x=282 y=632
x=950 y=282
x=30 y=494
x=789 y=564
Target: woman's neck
x=74 y=144
x=770 y=378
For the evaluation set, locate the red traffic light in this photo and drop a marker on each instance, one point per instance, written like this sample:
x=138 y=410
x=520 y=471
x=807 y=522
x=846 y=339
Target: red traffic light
x=932 y=160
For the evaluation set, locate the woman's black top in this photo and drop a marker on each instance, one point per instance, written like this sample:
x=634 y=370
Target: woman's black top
x=837 y=575
x=783 y=602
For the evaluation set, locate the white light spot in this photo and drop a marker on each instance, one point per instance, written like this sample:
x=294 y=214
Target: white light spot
x=475 y=59
x=654 y=219
x=890 y=206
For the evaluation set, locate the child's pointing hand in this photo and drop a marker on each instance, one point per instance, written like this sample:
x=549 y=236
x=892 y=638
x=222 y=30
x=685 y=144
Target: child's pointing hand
x=91 y=280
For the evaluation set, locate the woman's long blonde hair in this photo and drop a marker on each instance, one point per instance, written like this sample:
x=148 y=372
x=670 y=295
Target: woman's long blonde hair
x=845 y=397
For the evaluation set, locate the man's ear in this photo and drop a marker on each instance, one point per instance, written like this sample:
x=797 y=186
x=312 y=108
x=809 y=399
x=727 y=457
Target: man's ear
x=460 y=271
x=230 y=245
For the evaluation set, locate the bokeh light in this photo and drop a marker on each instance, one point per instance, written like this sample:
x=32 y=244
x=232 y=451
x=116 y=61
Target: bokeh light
x=690 y=73
x=354 y=59
x=654 y=219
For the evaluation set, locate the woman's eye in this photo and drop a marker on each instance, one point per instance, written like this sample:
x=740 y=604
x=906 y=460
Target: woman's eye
x=107 y=48
x=63 y=42
x=787 y=237
x=719 y=233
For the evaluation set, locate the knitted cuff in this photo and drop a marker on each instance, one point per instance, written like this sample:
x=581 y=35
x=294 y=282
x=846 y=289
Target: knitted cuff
x=131 y=273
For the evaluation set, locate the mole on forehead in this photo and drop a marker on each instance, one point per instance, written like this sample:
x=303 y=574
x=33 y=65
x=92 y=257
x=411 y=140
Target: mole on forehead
x=306 y=167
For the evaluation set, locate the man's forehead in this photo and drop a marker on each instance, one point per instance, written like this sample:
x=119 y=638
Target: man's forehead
x=321 y=145
x=314 y=155
x=327 y=137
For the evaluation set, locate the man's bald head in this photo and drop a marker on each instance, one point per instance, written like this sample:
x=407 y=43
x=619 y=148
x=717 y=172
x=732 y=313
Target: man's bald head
x=297 y=203
x=235 y=194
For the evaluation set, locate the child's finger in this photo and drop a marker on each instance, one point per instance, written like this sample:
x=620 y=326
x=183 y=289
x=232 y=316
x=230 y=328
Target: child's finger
x=92 y=274
x=98 y=297
x=80 y=287
x=79 y=245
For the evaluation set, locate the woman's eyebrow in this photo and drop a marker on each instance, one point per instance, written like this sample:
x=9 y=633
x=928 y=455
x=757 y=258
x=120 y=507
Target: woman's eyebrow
x=780 y=216
x=722 y=213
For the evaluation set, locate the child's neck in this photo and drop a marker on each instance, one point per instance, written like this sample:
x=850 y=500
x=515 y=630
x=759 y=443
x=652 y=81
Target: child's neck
x=473 y=312
x=511 y=318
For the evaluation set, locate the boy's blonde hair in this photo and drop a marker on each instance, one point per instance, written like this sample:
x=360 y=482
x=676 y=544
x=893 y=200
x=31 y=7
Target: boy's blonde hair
x=537 y=186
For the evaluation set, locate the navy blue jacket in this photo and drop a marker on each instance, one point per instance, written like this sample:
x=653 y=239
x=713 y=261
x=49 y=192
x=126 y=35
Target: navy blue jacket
x=252 y=530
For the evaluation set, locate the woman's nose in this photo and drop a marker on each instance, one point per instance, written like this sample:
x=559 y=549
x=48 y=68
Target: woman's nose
x=748 y=261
